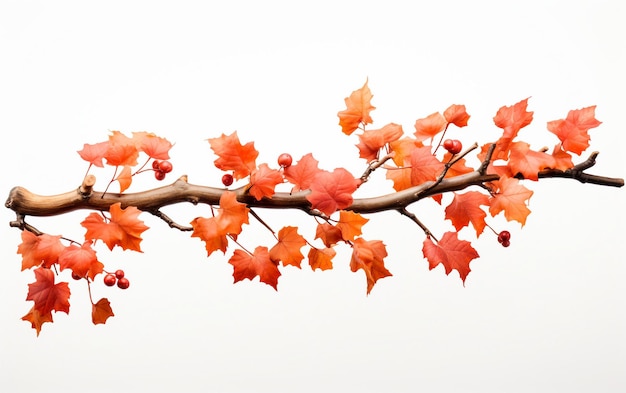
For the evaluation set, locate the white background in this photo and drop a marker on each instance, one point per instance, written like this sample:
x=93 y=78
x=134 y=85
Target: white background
x=544 y=315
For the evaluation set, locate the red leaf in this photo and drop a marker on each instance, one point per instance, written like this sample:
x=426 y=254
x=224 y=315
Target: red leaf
x=233 y=156
x=302 y=173
x=288 y=247
x=466 y=208
x=125 y=178
x=429 y=126
x=332 y=191
x=101 y=311
x=259 y=264
x=369 y=256
x=511 y=198
x=94 y=153
x=37 y=319
x=47 y=295
x=81 y=260
x=39 y=250
x=573 y=130
x=528 y=162
x=357 y=110
x=123 y=229
x=321 y=258
x=451 y=252
x=263 y=181
x=562 y=159
x=372 y=141
x=154 y=146
x=232 y=214
x=402 y=149
x=329 y=234
x=456 y=115
x=513 y=118
x=424 y=166
x=122 y=150
x=209 y=231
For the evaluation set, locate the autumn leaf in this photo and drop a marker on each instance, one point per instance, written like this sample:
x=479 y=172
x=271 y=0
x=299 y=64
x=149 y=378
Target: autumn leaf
x=369 y=256
x=511 y=198
x=81 y=260
x=125 y=178
x=424 y=166
x=101 y=311
x=562 y=159
x=302 y=173
x=287 y=250
x=233 y=156
x=258 y=264
x=458 y=168
x=350 y=224
x=528 y=162
x=328 y=234
x=358 y=108
x=321 y=258
x=429 y=126
x=122 y=150
x=457 y=115
x=209 y=231
x=94 y=154
x=513 y=118
x=123 y=229
x=263 y=181
x=37 y=319
x=332 y=191
x=402 y=149
x=232 y=214
x=401 y=178
x=372 y=141
x=451 y=252
x=154 y=146
x=47 y=295
x=466 y=208
x=573 y=130
x=39 y=250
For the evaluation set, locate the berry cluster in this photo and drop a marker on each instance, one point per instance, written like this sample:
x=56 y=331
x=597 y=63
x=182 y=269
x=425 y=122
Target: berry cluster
x=161 y=168
x=504 y=238
x=453 y=146
x=111 y=278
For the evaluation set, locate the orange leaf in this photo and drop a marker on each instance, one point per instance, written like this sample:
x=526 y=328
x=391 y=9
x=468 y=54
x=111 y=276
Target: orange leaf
x=357 y=110
x=511 y=198
x=233 y=156
x=401 y=178
x=37 y=319
x=81 y=260
x=47 y=295
x=209 y=231
x=288 y=247
x=94 y=154
x=528 y=162
x=332 y=191
x=350 y=224
x=451 y=252
x=154 y=146
x=513 y=118
x=263 y=182
x=573 y=130
x=562 y=159
x=123 y=229
x=329 y=234
x=101 y=311
x=258 y=264
x=424 y=166
x=465 y=208
x=321 y=258
x=402 y=149
x=122 y=150
x=429 y=126
x=233 y=214
x=302 y=173
x=459 y=167
x=372 y=141
x=39 y=250
x=125 y=178
x=456 y=115
x=369 y=256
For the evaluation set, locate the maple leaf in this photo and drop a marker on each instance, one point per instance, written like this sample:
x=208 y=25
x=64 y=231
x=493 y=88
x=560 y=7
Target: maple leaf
x=424 y=166
x=302 y=173
x=47 y=295
x=125 y=178
x=123 y=229
x=562 y=159
x=37 y=319
x=466 y=208
x=233 y=156
x=154 y=146
x=257 y=264
x=39 y=250
x=101 y=311
x=81 y=260
x=457 y=115
x=328 y=234
x=94 y=154
x=528 y=162
x=372 y=141
x=511 y=198
x=263 y=181
x=209 y=230
x=350 y=224
x=369 y=256
x=321 y=258
x=573 y=130
x=332 y=191
x=122 y=150
x=233 y=214
x=458 y=168
x=451 y=252
x=402 y=149
x=288 y=247
x=401 y=178
x=429 y=126
x=358 y=108
x=513 y=118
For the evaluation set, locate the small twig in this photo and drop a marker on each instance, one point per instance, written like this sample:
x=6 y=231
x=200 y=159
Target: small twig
x=483 y=166
x=416 y=220
x=373 y=165
x=259 y=219
x=169 y=221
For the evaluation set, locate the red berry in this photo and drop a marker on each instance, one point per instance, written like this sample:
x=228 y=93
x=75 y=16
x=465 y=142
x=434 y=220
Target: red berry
x=506 y=243
x=504 y=236
x=119 y=273
x=123 y=283
x=109 y=280
x=155 y=165
x=447 y=144
x=453 y=146
x=227 y=179
x=159 y=174
x=165 y=166
x=76 y=276
x=285 y=160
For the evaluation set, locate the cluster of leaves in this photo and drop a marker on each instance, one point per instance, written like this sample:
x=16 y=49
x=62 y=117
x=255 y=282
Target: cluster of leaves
x=408 y=159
